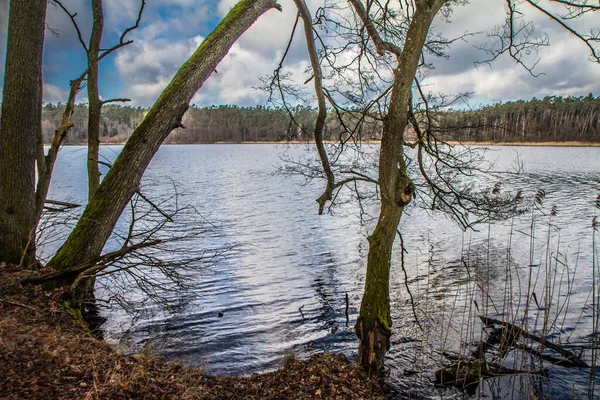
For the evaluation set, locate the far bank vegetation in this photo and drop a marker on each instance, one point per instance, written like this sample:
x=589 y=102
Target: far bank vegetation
x=551 y=119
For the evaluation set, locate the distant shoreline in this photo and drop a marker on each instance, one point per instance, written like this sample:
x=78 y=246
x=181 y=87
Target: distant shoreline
x=538 y=144
x=466 y=143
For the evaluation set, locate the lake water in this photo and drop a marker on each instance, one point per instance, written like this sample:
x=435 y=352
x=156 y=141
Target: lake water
x=282 y=283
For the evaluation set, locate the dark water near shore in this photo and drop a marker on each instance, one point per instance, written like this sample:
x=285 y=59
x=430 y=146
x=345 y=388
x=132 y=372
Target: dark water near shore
x=281 y=286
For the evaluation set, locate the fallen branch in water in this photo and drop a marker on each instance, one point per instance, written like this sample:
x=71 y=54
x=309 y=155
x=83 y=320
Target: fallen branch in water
x=62 y=204
x=466 y=373
x=570 y=356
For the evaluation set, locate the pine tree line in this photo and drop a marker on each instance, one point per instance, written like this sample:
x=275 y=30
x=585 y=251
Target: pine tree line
x=550 y=119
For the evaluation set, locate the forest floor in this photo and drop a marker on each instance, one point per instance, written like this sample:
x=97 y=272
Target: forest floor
x=47 y=353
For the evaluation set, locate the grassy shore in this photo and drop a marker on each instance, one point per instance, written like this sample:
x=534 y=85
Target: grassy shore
x=47 y=353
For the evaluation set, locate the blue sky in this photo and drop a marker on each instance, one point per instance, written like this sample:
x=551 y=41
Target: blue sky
x=171 y=30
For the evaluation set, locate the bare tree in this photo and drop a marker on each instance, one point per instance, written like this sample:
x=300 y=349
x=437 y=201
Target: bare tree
x=381 y=37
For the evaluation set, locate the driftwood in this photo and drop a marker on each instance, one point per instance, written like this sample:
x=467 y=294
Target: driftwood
x=570 y=356
x=62 y=205
x=466 y=373
x=554 y=360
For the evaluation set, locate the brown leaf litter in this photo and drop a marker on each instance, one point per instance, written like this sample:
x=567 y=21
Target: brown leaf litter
x=45 y=353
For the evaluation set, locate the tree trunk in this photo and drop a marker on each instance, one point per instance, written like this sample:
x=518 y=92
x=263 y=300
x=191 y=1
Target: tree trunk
x=94 y=104
x=373 y=326
x=40 y=160
x=44 y=177
x=88 y=238
x=19 y=128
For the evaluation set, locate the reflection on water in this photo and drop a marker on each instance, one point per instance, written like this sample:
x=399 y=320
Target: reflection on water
x=283 y=286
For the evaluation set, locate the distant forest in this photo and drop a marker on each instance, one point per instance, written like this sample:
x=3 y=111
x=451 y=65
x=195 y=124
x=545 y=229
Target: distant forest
x=551 y=119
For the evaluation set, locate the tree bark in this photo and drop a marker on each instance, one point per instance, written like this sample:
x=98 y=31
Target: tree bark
x=19 y=128
x=373 y=326
x=40 y=160
x=322 y=110
x=94 y=104
x=95 y=226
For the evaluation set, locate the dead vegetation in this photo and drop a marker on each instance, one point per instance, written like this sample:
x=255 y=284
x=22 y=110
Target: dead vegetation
x=46 y=353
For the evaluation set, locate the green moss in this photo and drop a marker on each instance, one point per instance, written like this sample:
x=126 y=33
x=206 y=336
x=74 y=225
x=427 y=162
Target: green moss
x=70 y=254
x=383 y=321
x=72 y=307
x=375 y=303
x=474 y=368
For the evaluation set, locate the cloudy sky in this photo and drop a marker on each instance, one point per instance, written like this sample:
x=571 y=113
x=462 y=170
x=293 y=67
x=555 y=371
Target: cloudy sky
x=172 y=29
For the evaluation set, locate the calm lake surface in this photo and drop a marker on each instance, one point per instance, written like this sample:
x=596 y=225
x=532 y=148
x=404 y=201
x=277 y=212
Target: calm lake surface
x=282 y=283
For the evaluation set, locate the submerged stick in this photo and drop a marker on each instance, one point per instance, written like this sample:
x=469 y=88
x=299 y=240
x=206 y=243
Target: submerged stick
x=347 y=306
x=572 y=357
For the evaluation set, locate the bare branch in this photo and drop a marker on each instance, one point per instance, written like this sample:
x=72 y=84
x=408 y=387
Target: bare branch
x=322 y=113
x=119 y=100
x=381 y=45
x=72 y=17
x=73 y=271
x=588 y=40
x=515 y=37
x=122 y=42
x=136 y=25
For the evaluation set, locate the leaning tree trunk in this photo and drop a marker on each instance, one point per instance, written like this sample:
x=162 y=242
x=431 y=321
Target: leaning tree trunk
x=373 y=326
x=18 y=130
x=94 y=104
x=95 y=226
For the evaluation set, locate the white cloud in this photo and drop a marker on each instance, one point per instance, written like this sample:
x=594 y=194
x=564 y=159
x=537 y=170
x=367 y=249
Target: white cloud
x=54 y=94
x=272 y=31
x=564 y=66
x=167 y=37
x=237 y=76
x=148 y=66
